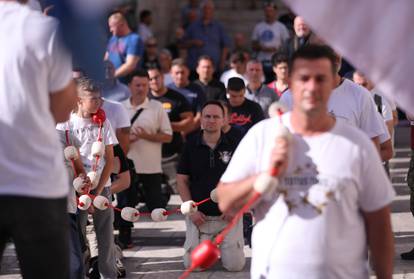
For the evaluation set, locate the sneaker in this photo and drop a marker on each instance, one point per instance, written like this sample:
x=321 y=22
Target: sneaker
x=408 y=256
x=120 y=269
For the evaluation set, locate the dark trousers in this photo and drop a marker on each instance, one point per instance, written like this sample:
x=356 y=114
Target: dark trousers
x=151 y=187
x=39 y=229
x=75 y=252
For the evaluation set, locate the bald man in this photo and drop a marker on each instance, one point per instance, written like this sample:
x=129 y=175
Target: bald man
x=125 y=48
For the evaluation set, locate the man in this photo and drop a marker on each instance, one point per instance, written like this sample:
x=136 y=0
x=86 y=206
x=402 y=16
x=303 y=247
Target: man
x=125 y=48
x=325 y=211
x=112 y=88
x=385 y=111
x=300 y=38
x=268 y=37
x=144 y=30
x=207 y=36
x=212 y=88
x=192 y=92
x=181 y=118
x=256 y=90
x=238 y=61
x=36 y=92
x=149 y=130
x=245 y=113
x=150 y=59
x=383 y=106
x=165 y=62
x=204 y=159
x=280 y=68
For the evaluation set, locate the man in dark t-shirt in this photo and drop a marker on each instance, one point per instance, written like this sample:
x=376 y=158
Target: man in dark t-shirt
x=181 y=117
x=177 y=107
x=245 y=113
x=212 y=88
x=192 y=92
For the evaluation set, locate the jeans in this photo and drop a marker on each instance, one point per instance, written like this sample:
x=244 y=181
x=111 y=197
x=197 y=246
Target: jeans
x=39 y=229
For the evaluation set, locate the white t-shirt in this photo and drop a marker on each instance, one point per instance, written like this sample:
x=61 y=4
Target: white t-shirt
x=229 y=74
x=86 y=133
x=316 y=230
x=33 y=63
x=116 y=114
x=153 y=119
x=269 y=35
x=352 y=103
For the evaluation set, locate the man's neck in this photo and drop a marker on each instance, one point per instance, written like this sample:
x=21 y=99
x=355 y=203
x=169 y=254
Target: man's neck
x=254 y=85
x=211 y=138
x=185 y=84
x=311 y=125
x=160 y=93
x=338 y=80
x=205 y=81
x=136 y=101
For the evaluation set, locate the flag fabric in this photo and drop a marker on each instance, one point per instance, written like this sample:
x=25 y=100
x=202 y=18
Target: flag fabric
x=376 y=36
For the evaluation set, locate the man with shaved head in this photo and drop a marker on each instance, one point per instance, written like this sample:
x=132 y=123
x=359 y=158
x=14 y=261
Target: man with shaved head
x=125 y=48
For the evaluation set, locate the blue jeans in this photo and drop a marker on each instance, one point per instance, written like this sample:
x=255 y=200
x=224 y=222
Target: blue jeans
x=39 y=229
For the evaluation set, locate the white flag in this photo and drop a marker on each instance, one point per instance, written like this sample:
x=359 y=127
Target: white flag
x=376 y=36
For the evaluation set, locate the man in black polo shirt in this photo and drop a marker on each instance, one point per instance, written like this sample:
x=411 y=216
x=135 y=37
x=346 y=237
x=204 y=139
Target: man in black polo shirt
x=245 y=113
x=204 y=160
x=212 y=88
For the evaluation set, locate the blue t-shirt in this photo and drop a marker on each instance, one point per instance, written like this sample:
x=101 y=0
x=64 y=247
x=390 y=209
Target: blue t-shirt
x=120 y=47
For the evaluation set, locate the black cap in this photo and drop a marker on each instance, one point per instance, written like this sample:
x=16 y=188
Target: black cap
x=235 y=84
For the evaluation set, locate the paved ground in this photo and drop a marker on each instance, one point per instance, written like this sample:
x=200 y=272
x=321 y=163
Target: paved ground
x=158 y=246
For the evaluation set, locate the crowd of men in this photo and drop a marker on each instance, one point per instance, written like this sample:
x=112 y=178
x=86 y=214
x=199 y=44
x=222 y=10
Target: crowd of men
x=186 y=115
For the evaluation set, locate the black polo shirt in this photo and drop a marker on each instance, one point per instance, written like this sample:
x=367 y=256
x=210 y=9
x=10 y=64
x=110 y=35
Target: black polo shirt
x=214 y=90
x=205 y=166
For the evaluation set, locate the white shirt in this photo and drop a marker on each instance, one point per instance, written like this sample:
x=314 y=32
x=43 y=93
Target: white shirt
x=229 y=74
x=304 y=241
x=33 y=63
x=352 y=103
x=153 y=119
x=144 y=32
x=269 y=35
x=116 y=114
x=87 y=133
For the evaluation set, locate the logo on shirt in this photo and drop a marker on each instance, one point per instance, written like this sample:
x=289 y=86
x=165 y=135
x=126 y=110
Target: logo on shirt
x=240 y=119
x=267 y=36
x=167 y=107
x=225 y=156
